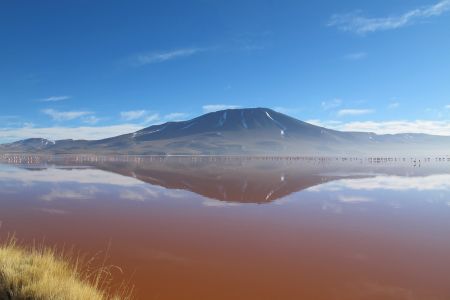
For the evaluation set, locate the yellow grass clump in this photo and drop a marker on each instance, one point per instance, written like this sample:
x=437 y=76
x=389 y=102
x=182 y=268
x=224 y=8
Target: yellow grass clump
x=43 y=274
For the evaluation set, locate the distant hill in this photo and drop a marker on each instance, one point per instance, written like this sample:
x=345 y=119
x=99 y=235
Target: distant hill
x=249 y=131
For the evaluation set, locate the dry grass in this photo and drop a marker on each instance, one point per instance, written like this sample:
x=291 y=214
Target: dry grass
x=41 y=273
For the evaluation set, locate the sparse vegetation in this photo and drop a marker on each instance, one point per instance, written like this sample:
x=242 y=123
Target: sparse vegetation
x=41 y=273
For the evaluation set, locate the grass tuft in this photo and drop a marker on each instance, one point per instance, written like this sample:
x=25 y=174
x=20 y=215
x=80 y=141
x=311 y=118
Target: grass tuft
x=38 y=273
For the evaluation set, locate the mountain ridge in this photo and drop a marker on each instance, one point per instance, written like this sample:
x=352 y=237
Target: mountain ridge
x=244 y=131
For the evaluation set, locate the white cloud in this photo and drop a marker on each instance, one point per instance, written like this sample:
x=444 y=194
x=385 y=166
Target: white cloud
x=393 y=105
x=159 y=57
x=145 y=116
x=151 y=119
x=447 y=106
x=87 y=183
x=65 y=115
x=55 y=99
x=133 y=114
x=331 y=104
x=215 y=107
x=138 y=195
x=138 y=119
x=354 y=112
x=218 y=203
x=356 y=56
x=90 y=120
x=353 y=199
x=56 y=176
x=357 y=23
x=67 y=194
x=176 y=116
x=384 y=182
x=389 y=127
x=60 y=133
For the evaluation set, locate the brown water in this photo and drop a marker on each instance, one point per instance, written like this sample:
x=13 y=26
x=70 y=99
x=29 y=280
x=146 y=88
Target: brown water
x=207 y=228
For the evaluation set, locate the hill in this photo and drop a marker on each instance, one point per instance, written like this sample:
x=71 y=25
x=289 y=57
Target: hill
x=249 y=131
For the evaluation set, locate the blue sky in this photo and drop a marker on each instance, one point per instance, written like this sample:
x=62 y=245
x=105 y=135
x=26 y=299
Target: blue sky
x=92 y=69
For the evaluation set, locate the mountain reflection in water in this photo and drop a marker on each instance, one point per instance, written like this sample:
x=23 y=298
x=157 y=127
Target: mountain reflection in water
x=187 y=227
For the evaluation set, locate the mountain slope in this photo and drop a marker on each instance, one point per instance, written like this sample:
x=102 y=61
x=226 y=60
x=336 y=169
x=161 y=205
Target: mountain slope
x=251 y=131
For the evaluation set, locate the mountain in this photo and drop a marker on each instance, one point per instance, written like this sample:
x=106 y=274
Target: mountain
x=237 y=179
x=250 y=131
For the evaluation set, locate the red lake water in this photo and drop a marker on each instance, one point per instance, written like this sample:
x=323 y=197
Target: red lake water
x=243 y=228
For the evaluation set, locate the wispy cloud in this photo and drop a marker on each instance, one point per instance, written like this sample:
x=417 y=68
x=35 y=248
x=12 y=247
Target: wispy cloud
x=148 y=117
x=54 y=177
x=438 y=182
x=354 y=112
x=356 y=56
x=143 y=116
x=133 y=114
x=217 y=203
x=357 y=23
x=151 y=118
x=132 y=195
x=136 y=120
x=447 y=106
x=245 y=42
x=63 y=132
x=353 y=199
x=90 y=120
x=334 y=103
x=65 y=115
x=390 y=127
x=54 y=99
x=163 y=56
x=176 y=116
x=67 y=194
x=215 y=107
x=394 y=105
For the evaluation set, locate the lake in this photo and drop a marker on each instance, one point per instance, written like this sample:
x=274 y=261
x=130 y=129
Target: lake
x=243 y=227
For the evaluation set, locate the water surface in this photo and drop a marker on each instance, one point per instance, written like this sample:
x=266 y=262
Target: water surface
x=244 y=228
